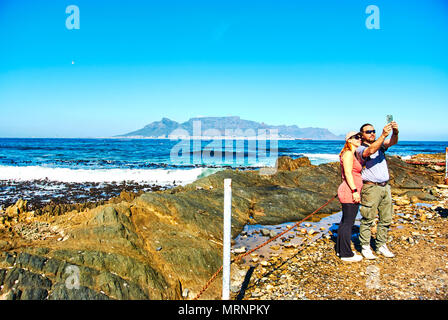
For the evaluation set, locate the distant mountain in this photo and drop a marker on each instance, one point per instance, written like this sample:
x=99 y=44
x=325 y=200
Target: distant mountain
x=155 y=129
x=217 y=126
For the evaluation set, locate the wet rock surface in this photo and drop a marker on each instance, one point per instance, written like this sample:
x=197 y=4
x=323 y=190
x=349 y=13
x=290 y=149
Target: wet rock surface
x=163 y=244
x=45 y=194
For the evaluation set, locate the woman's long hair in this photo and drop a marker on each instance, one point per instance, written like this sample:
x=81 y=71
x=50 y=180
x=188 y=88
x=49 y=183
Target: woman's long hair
x=347 y=146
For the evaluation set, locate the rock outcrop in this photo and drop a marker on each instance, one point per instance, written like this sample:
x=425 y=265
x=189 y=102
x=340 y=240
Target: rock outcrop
x=289 y=164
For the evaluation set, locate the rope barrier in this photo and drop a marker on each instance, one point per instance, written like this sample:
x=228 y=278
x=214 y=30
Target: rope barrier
x=209 y=282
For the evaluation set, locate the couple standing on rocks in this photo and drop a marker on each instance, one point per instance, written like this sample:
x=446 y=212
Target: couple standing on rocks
x=365 y=187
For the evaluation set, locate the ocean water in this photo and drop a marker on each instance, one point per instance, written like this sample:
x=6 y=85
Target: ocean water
x=159 y=161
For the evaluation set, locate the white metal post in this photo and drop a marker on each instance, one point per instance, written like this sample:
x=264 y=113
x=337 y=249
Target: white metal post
x=226 y=239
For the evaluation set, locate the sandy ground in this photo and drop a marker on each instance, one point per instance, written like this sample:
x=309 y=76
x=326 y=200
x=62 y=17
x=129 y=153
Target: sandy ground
x=418 y=237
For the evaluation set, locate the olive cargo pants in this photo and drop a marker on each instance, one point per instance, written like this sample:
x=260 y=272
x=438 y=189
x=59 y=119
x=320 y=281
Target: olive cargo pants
x=375 y=200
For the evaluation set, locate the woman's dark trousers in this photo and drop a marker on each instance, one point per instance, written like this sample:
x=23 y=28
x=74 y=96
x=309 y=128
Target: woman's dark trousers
x=343 y=246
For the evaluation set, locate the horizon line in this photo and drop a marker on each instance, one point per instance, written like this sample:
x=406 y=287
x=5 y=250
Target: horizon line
x=192 y=138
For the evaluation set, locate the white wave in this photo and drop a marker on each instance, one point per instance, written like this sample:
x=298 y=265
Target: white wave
x=328 y=157
x=147 y=176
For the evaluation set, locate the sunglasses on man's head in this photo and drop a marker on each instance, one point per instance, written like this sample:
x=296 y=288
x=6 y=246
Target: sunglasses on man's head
x=370 y=131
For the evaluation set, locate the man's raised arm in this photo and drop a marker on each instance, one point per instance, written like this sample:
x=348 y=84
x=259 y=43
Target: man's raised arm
x=378 y=143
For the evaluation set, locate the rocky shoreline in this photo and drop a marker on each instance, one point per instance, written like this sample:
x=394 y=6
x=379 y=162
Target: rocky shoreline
x=165 y=244
x=312 y=271
x=45 y=193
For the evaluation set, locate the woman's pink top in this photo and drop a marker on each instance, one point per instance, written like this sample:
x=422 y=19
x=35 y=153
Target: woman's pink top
x=344 y=191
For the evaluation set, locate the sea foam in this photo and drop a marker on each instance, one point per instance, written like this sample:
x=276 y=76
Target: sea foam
x=318 y=158
x=147 y=176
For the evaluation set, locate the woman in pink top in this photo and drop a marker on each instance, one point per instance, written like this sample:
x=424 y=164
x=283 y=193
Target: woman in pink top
x=349 y=196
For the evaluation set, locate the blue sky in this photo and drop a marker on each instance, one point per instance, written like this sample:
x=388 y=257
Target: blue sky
x=309 y=63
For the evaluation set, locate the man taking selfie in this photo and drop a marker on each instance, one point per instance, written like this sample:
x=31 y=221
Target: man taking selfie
x=376 y=196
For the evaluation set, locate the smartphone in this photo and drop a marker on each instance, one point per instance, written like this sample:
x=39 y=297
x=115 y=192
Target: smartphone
x=389 y=118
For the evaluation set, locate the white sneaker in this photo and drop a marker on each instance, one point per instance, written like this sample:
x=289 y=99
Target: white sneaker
x=355 y=258
x=367 y=252
x=384 y=250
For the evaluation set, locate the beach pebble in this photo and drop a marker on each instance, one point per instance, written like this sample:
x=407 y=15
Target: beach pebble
x=240 y=250
x=241 y=273
x=415 y=199
x=235 y=288
x=402 y=202
x=3 y=244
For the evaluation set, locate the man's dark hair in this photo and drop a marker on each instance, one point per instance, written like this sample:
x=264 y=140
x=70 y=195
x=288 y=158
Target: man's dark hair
x=364 y=125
